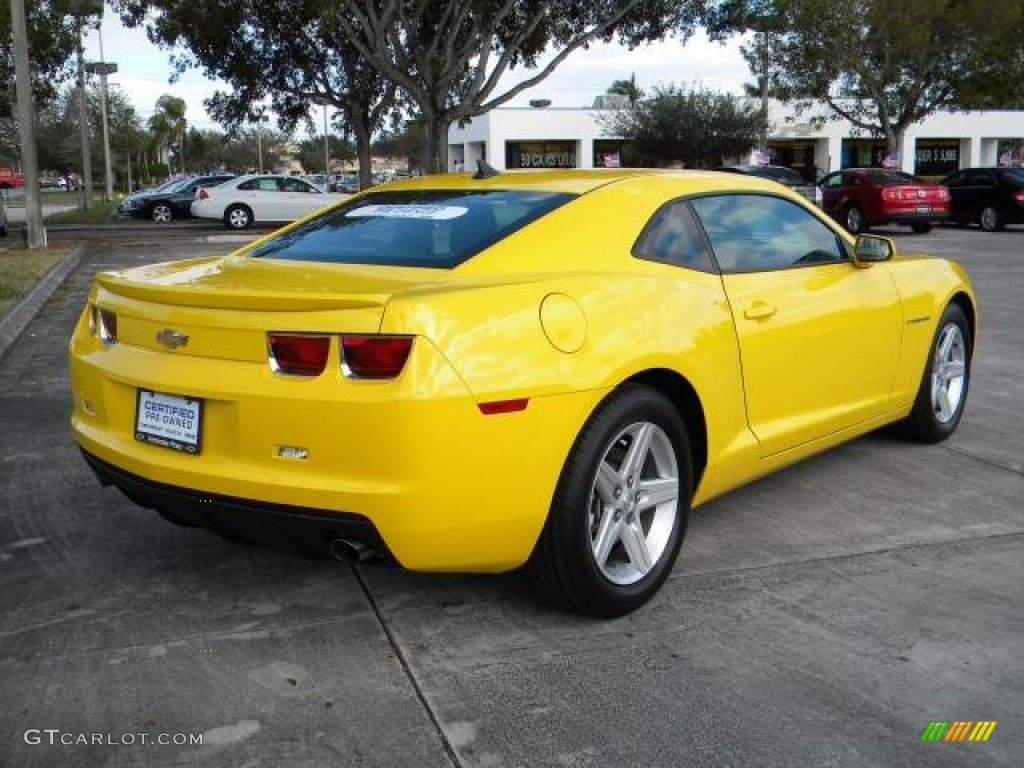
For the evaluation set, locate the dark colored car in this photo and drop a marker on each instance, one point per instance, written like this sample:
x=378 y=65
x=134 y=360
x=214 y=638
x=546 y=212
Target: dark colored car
x=169 y=202
x=859 y=198
x=989 y=197
x=781 y=174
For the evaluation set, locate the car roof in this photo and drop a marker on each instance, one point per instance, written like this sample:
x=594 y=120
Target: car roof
x=581 y=181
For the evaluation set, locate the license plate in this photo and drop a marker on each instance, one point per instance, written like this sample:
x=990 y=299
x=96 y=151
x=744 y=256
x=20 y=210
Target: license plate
x=924 y=209
x=169 y=421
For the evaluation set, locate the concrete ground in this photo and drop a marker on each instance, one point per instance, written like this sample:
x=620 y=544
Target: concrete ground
x=820 y=617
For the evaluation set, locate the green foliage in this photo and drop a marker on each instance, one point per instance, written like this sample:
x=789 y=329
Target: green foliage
x=627 y=88
x=51 y=40
x=696 y=128
x=886 y=64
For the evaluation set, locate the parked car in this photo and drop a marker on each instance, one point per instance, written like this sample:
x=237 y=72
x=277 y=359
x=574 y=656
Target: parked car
x=53 y=182
x=540 y=368
x=11 y=179
x=860 y=198
x=170 y=202
x=244 y=200
x=783 y=175
x=990 y=197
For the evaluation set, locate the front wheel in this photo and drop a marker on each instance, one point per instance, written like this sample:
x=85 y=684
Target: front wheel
x=238 y=217
x=619 y=512
x=162 y=213
x=854 y=220
x=942 y=394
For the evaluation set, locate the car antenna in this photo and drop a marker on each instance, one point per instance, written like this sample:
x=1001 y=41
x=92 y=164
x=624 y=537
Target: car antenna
x=485 y=171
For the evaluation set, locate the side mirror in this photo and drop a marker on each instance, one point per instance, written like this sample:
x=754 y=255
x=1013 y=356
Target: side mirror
x=870 y=248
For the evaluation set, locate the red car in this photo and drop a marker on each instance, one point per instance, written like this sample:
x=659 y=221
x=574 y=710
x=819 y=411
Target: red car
x=859 y=198
x=10 y=179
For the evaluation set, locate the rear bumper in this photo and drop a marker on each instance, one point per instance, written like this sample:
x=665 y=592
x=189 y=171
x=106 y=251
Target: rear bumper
x=910 y=216
x=280 y=526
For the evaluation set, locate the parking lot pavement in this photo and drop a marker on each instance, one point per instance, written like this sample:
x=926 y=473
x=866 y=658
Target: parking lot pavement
x=822 y=616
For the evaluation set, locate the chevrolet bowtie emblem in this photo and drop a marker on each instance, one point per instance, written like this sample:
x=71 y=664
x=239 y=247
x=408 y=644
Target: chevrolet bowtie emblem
x=171 y=338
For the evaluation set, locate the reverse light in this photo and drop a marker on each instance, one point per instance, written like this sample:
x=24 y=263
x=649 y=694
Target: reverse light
x=374 y=357
x=298 y=354
x=106 y=326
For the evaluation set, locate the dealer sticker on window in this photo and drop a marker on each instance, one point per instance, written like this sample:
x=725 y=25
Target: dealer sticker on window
x=429 y=212
x=169 y=420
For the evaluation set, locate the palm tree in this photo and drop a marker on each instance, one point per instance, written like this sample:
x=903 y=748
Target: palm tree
x=627 y=88
x=171 y=110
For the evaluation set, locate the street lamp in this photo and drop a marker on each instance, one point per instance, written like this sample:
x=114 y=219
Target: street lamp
x=81 y=9
x=103 y=69
x=260 y=119
x=325 y=103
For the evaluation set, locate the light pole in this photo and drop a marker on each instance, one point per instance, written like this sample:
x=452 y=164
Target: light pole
x=103 y=69
x=325 y=103
x=81 y=9
x=260 y=120
x=35 y=232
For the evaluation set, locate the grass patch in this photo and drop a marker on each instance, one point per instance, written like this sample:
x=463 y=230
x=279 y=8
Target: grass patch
x=21 y=269
x=98 y=213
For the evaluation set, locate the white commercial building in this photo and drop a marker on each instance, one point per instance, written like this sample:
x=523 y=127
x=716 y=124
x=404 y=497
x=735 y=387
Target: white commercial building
x=556 y=137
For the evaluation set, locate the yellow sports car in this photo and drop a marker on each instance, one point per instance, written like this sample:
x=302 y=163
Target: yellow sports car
x=473 y=373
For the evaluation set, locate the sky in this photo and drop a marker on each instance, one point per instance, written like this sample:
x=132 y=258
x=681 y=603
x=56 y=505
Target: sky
x=144 y=71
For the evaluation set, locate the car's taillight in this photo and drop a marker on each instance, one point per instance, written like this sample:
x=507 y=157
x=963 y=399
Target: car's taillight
x=103 y=323
x=943 y=193
x=1019 y=196
x=374 y=357
x=298 y=354
x=202 y=194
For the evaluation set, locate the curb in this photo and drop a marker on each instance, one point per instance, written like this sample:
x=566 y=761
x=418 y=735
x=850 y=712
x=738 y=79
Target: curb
x=21 y=314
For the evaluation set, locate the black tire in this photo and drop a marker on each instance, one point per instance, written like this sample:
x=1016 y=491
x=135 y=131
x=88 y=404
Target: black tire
x=989 y=219
x=162 y=213
x=238 y=216
x=921 y=229
x=563 y=565
x=924 y=424
x=853 y=219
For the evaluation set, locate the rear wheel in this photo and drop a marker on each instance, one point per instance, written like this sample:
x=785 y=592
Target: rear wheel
x=853 y=220
x=162 y=213
x=619 y=512
x=942 y=394
x=238 y=217
x=989 y=219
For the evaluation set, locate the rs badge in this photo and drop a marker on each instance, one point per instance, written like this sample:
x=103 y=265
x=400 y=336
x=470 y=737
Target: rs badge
x=171 y=338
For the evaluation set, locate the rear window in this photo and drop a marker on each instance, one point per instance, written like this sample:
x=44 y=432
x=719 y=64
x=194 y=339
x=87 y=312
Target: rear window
x=886 y=178
x=421 y=228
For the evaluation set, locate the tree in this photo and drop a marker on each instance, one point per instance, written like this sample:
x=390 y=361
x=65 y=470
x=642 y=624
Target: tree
x=884 y=65
x=449 y=56
x=697 y=128
x=170 y=121
x=288 y=53
x=52 y=40
x=627 y=88
x=311 y=152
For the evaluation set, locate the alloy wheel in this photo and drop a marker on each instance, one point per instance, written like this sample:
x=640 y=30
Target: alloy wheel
x=162 y=214
x=949 y=371
x=634 y=501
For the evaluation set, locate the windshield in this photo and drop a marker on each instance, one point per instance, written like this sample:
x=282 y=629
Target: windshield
x=421 y=228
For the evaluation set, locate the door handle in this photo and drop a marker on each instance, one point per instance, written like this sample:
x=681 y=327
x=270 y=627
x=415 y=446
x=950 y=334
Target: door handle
x=759 y=310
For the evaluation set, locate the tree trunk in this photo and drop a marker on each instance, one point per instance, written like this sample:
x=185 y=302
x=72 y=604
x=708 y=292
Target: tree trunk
x=363 y=137
x=436 y=136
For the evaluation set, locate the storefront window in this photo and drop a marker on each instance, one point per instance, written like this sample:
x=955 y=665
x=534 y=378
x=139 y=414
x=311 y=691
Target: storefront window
x=608 y=154
x=540 y=154
x=936 y=157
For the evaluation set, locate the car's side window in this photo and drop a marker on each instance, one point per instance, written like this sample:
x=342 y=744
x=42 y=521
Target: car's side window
x=758 y=233
x=297 y=185
x=673 y=236
x=832 y=182
x=956 y=180
x=250 y=185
